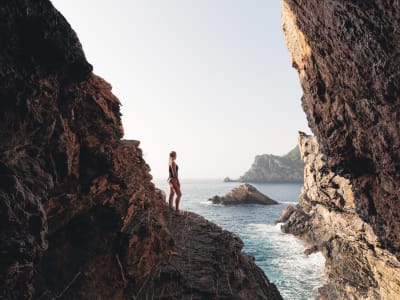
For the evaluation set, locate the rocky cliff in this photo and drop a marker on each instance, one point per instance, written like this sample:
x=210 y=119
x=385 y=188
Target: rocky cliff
x=347 y=56
x=357 y=264
x=79 y=215
x=273 y=168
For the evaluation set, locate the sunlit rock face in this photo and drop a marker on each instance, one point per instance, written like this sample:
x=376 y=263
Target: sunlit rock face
x=79 y=215
x=347 y=56
x=357 y=266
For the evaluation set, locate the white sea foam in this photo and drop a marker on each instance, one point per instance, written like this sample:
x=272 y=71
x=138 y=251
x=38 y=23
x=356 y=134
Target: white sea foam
x=206 y=203
x=290 y=202
x=286 y=257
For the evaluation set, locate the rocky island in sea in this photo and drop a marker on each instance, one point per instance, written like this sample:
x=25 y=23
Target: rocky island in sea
x=228 y=179
x=243 y=194
x=274 y=168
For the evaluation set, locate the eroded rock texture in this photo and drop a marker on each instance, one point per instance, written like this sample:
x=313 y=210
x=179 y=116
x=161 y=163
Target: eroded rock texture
x=347 y=55
x=357 y=266
x=208 y=265
x=79 y=215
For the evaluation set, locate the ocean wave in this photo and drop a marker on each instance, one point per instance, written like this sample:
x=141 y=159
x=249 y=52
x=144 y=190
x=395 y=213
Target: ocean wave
x=286 y=264
x=290 y=202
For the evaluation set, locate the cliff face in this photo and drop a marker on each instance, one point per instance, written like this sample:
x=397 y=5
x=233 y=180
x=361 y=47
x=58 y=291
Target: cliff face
x=347 y=55
x=357 y=266
x=273 y=168
x=79 y=215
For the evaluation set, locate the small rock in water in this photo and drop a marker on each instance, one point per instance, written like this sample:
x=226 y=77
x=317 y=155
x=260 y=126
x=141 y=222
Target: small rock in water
x=243 y=194
x=228 y=179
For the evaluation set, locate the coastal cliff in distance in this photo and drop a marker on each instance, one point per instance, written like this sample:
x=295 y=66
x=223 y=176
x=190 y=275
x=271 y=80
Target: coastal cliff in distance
x=273 y=168
x=79 y=215
x=348 y=58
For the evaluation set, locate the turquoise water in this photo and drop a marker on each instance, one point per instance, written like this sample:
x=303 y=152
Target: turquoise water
x=281 y=256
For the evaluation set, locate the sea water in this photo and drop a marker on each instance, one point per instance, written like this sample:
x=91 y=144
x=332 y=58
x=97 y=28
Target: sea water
x=280 y=255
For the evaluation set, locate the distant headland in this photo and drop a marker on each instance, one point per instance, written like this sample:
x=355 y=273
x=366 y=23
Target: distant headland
x=273 y=168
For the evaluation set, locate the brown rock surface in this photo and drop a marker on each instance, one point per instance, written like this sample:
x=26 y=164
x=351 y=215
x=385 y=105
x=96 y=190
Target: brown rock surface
x=347 y=56
x=357 y=264
x=243 y=194
x=208 y=265
x=79 y=215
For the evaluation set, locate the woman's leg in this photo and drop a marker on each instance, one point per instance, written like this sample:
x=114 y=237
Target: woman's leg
x=178 y=192
x=171 y=195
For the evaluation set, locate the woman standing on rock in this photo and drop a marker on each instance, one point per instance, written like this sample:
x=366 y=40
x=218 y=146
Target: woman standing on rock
x=173 y=180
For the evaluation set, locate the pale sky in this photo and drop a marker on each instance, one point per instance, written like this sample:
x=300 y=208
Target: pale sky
x=210 y=79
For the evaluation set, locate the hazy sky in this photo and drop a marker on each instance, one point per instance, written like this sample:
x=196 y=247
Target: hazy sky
x=210 y=79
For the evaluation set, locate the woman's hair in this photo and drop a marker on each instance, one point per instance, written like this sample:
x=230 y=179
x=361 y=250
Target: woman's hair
x=172 y=154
